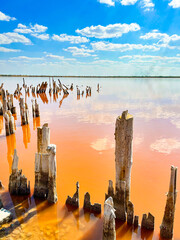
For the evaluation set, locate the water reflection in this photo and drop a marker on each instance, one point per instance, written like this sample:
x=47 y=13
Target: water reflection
x=36 y=123
x=11 y=145
x=1 y=124
x=43 y=97
x=85 y=128
x=55 y=97
x=26 y=135
x=64 y=96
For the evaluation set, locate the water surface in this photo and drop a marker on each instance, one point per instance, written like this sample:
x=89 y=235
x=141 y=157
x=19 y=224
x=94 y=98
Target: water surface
x=83 y=131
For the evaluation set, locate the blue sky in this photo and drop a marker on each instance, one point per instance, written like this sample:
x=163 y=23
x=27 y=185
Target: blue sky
x=90 y=37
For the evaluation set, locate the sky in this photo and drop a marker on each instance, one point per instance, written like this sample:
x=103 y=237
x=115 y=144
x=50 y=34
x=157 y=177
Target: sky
x=90 y=37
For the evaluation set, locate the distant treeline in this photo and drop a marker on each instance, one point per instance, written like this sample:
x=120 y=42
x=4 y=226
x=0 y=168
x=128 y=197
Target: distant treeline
x=10 y=75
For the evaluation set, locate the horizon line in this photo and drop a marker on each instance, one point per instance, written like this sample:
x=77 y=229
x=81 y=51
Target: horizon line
x=81 y=76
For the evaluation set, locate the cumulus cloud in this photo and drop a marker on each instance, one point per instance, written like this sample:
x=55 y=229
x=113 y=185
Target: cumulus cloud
x=174 y=4
x=21 y=28
x=85 y=52
x=36 y=30
x=102 y=46
x=147 y=4
x=43 y=36
x=108 y=2
x=10 y=37
x=128 y=2
x=3 y=49
x=109 y=31
x=69 y=38
x=4 y=17
x=165 y=145
x=162 y=37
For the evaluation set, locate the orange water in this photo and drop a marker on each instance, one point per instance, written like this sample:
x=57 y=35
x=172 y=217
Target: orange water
x=83 y=131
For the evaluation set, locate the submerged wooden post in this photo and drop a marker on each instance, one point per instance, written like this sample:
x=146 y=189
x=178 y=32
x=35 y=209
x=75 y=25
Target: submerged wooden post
x=52 y=194
x=123 y=150
x=166 y=228
x=123 y=163
x=18 y=184
x=45 y=166
x=109 y=232
x=9 y=123
x=24 y=112
x=74 y=201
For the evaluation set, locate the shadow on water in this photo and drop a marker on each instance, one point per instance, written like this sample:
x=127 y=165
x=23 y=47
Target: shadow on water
x=146 y=235
x=95 y=232
x=22 y=208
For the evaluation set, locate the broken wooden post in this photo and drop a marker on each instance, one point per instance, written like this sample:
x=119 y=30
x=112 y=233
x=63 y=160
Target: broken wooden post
x=74 y=201
x=45 y=166
x=118 y=199
x=109 y=232
x=35 y=109
x=24 y=112
x=123 y=161
x=166 y=228
x=123 y=150
x=98 y=87
x=96 y=208
x=18 y=182
x=136 y=221
x=52 y=194
x=148 y=222
x=130 y=213
x=9 y=123
x=10 y=104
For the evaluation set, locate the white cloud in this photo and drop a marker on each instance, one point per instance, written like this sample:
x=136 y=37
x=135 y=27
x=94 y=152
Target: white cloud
x=43 y=36
x=3 y=49
x=102 y=46
x=165 y=145
x=10 y=37
x=103 y=62
x=25 y=58
x=39 y=28
x=147 y=4
x=174 y=4
x=36 y=30
x=21 y=28
x=128 y=2
x=4 y=17
x=150 y=58
x=62 y=58
x=80 y=51
x=69 y=38
x=109 y=31
x=162 y=37
x=108 y=2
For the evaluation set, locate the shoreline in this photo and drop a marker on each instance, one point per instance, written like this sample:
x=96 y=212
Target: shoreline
x=11 y=75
